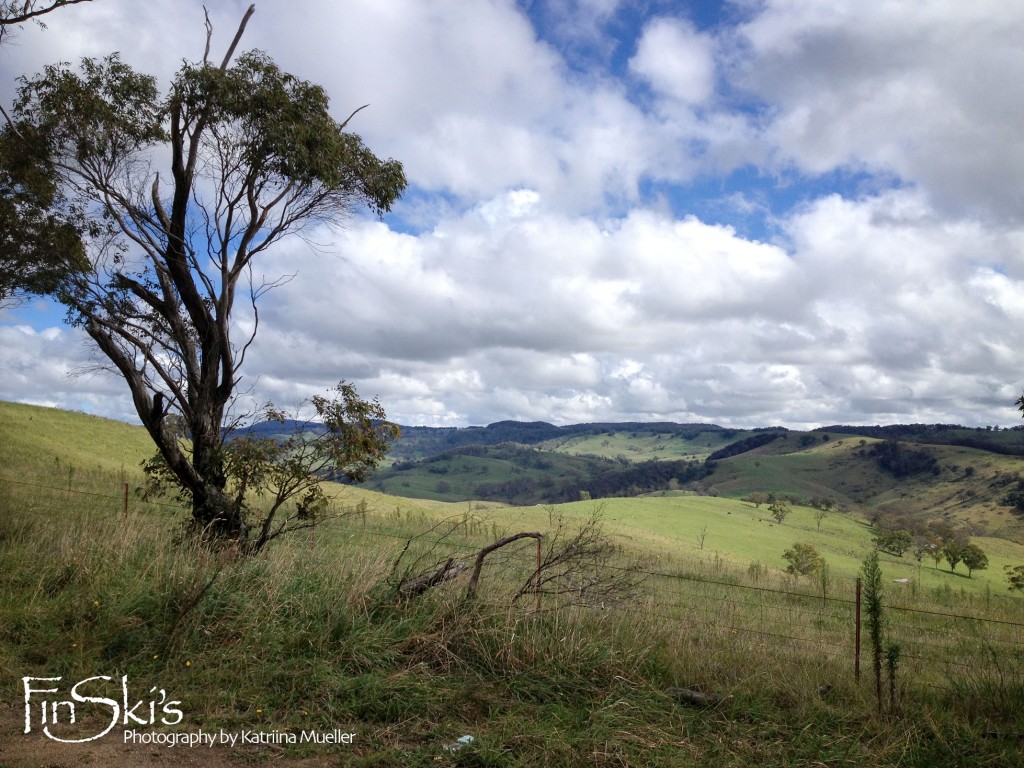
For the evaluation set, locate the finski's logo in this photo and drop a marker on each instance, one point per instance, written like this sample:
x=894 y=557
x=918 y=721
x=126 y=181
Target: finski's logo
x=60 y=709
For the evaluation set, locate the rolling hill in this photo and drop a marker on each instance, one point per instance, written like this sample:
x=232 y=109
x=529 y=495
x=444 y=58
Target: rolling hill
x=310 y=634
x=938 y=472
x=918 y=472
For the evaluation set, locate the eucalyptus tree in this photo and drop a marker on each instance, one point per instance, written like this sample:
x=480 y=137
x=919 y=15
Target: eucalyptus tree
x=251 y=155
x=40 y=237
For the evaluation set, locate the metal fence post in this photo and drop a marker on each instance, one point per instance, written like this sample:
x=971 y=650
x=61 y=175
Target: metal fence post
x=856 y=651
x=538 y=576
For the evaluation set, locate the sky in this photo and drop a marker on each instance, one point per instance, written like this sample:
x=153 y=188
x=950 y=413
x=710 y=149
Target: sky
x=749 y=212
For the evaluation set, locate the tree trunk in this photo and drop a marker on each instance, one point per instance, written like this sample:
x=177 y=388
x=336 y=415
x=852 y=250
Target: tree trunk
x=214 y=512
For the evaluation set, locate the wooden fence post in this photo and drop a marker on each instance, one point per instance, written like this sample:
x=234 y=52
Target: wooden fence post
x=126 y=499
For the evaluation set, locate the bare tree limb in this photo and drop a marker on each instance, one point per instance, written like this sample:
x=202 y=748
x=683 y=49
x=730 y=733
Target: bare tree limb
x=13 y=13
x=578 y=566
x=449 y=570
x=471 y=587
x=238 y=36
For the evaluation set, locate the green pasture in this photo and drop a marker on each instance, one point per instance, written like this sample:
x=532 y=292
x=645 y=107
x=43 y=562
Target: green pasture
x=310 y=633
x=644 y=446
x=58 y=448
x=736 y=535
x=46 y=442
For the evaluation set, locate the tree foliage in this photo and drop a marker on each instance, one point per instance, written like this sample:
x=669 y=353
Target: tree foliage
x=1015 y=577
x=953 y=551
x=901 y=461
x=974 y=558
x=276 y=484
x=252 y=156
x=803 y=560
x=779 y=510
x=745 y=445
x=894 y=542
x=40 y=233
x=757 y=498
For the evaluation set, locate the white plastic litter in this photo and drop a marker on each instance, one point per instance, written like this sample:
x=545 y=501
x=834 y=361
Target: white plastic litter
x=459 y=743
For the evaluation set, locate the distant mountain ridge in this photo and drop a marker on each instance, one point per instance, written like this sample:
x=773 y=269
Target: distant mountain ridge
x=417 y=442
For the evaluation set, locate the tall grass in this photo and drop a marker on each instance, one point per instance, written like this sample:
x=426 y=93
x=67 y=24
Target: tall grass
x=311 y=634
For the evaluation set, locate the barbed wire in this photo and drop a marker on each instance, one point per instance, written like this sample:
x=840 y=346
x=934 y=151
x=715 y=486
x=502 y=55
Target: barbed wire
x=93 y=494
x=705 y=606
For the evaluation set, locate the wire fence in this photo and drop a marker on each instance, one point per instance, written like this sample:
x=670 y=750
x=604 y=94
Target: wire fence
x=984 y=639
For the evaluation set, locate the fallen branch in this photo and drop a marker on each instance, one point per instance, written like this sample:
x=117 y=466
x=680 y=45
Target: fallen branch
x=448 y=571
x=471 y=588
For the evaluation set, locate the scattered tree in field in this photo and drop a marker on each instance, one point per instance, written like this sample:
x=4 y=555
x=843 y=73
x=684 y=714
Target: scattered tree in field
x=779 y=510
x=935 y=552
x=275 y=484
x=253 y=156
x=946 y=542
x=1015 y=577
x=923 y=545
x=974 y=558
x=953 y=551
x=894 y=542
x=819 y=516
x=803 y=560
x=757 y=499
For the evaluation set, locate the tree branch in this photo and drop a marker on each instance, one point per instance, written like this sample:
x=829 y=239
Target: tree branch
x=238 y=36
x=475 y=577
x=27 y=12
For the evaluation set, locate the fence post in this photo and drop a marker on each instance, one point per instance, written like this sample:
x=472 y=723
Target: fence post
x=126 y=499
x=856 y=651
x=538 y=575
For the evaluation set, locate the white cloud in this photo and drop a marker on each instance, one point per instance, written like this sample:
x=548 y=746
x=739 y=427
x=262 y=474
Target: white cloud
x=532 y=274
x=676 y=60
x=54 y=367
x=931 y=92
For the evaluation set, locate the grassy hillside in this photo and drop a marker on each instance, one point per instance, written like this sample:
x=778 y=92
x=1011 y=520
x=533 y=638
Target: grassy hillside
x=734 y=535
x=642 y=445
x=424 y=442
x=517 y=474
x=41 y=440
x=967 y=489
x=311 y=634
